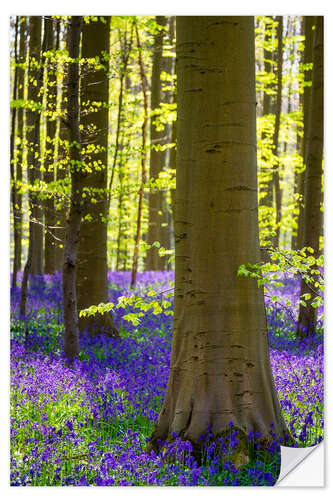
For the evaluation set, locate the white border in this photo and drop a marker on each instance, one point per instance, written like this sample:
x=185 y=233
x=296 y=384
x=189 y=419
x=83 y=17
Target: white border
x=144 y=7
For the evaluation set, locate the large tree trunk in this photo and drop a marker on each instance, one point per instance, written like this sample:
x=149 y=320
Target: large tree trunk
x=308 y=23
x=220 y=369
x=92 y=285
x=154 y=262
x=49 y=158
x=71 y=334
x=276 y=169
x=313 y=177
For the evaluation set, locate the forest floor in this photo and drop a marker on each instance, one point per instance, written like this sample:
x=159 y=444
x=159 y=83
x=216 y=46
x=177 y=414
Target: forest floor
x=89 y=423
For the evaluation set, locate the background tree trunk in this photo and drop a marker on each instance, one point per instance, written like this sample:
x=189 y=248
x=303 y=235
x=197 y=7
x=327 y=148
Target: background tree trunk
x=220 y=369
x=153 y=261
x=268 y=69
x=92 y=285
x=309 y=22
x=266 y=187
x=33 y=120
x=62 y=163
x=71 y=335
x=276 y=169
x=33 y=157
x=169 y=97
x=49 y=159
x=313 y=176
x=20 y=148
x=13 y=157
x=143 y=160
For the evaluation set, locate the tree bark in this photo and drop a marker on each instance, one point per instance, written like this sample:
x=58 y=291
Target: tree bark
x=173 y=140
x=126 y=47
x=62 y=165
x=313 y=177
x=21 y=135
x=49 y=159
x=92 y=285
x=276 y=168
x=71 y=334
x=266 y=185
x=153 y=261
x=33 y=121
x=13 y=160
x=120 y=200
x=309 y=22
x=143 y=161
x=33 y=144
x=169 y=97
x=220 y=369
x=268 y=70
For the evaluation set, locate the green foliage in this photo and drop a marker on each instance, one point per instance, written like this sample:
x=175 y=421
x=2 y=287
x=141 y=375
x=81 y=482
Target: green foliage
x=141 y=305
x=300 y=263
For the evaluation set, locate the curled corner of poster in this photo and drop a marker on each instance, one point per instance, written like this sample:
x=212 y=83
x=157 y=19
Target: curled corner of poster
x=302 y=467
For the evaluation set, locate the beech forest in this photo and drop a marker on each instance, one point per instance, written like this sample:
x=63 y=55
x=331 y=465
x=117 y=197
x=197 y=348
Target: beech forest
x=166 y=248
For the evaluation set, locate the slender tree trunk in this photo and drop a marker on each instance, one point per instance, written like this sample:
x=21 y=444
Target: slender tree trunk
x=126 y=50
x=71 y=335
x=13 y=169
x=220 y=369
x=266 y=186
x=168 y=96
x=290 y=54
x=276 y=169
x=153 y=261
x=268 y=70
x=21 y=135
x=172 y=160
x=61 y=167
x=123 y=148
x=49 y=160
x=173 y=138
x=143 y=161
x=120 y=204
x=92 y=285
x=299 y=141
x=19 y=152
x=33 y=157
x=308 y=23
x=33 y=121
x=313 y=178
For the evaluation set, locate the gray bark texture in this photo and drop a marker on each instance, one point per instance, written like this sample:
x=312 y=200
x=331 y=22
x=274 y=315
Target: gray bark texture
x=313 y=174
x=220 y=368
